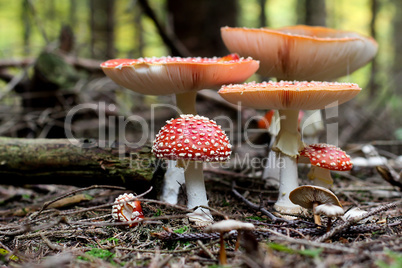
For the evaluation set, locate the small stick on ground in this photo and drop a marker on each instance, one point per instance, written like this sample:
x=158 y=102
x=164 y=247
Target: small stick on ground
x=354 y=220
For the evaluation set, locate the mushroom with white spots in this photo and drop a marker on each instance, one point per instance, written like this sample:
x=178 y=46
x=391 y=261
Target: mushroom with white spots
x=127 y=209
x=182 y=77
x=185 y=139
x=324 y=158
x=289 y=97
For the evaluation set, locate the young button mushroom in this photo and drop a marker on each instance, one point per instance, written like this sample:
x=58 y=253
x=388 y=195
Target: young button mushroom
x=225 y=226
x=323 y=158
x=329 y=210
x=130 y=210
x=309 y=196
x=182 y=77
x=193 y=139
x=289 y=98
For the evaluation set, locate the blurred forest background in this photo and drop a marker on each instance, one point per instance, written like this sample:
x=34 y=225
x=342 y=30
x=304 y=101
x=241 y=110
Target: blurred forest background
x=50 y=51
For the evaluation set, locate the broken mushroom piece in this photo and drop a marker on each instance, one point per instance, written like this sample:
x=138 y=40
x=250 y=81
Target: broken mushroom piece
x=182 y=77
x=128 y=209
x=301 y=52
x=324 y=158
x=223 y=227
x=289 y=98
x=193 y=139
x=309 y=196
x=329 y=210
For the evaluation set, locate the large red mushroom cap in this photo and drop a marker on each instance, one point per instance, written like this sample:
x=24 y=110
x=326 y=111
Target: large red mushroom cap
x=327 y=156
x=302 y=52
x=192 y=137
x=174 y=75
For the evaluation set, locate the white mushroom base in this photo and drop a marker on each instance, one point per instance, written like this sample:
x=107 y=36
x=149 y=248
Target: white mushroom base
x=196 y=194
x=288 y=182
x=173 y=179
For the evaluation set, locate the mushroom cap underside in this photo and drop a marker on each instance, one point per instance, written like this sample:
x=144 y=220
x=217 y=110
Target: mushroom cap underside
x=173 y=75
x=229 y=225
x=307 y=195
x=285 y=95
x=302 y=52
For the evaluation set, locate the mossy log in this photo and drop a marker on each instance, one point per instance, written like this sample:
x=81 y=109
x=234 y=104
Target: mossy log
x=83 y=163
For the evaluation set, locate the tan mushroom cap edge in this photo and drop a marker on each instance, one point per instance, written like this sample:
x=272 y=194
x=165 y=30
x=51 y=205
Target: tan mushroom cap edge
x=302 y=52
x=306 y=195
x=229 y=225
x=285 y=95
x=172 y=75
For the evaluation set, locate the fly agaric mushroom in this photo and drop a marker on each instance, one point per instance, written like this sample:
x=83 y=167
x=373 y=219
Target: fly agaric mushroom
x=323 y=158
x=127 y=209
x=182 y=77
x=302 y=52
x=289 y=98
x=329 y=210
x=310 y=196
x=226 y=226
x=194 y=139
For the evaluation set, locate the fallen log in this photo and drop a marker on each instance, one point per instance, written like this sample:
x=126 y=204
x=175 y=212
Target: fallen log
x=79 y=163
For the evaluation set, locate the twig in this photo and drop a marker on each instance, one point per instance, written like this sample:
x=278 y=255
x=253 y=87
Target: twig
x=256 y=207
x=202 y=246
x=74 y=192
x=354 y=220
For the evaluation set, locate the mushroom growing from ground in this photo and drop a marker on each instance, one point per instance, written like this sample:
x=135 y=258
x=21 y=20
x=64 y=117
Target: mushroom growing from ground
x=324 y=158
x=193 y=139
x=301 y=53
x=289 y=98
x=182 y=77
x=329 y=210
x=128 y=210
x=309 y=196
x=226 y=226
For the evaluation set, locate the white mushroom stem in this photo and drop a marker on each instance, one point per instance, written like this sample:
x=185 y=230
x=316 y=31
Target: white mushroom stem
x=288 y=144
x=196 y=193
x=173 y=179
x=320 y=176
x=287 y=183
x=174 y=176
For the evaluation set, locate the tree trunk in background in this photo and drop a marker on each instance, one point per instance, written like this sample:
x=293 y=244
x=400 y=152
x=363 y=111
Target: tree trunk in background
x=397 y=44
x=139 y=43
x=373 y=84
x=197 y=24
x=315 y=13
x=263 y=16
x=26 y=25
x=72 y=13
x=102 y=28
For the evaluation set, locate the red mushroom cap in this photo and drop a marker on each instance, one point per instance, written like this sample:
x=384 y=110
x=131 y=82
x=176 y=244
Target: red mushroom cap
x=129 y=211
x=192 y=137
x=327 y=156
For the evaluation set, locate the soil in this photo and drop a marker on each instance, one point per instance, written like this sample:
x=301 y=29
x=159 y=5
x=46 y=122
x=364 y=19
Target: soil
x=36 y=231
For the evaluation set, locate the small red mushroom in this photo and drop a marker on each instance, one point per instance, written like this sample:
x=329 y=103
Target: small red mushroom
x=195 y=139
x=129 y=211
x=323 y=158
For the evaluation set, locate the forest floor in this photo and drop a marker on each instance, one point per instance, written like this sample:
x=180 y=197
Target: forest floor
x=80 y=232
